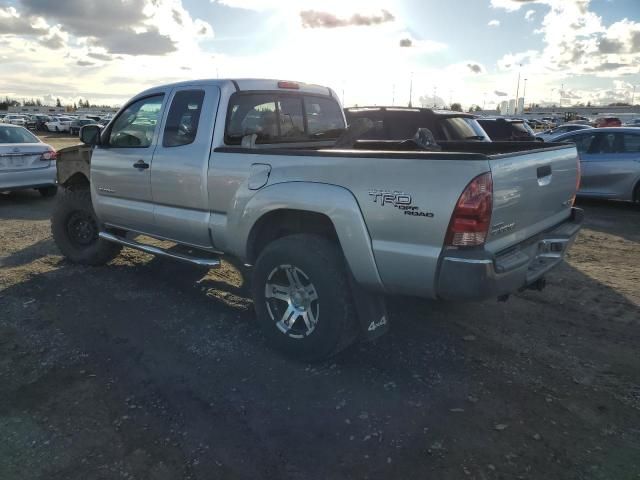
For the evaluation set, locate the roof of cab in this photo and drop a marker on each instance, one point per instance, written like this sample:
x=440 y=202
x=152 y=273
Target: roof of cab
x=250 y=84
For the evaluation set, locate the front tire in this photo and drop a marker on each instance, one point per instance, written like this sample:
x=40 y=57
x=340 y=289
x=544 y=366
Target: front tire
x=75 y=229
x=302 y=297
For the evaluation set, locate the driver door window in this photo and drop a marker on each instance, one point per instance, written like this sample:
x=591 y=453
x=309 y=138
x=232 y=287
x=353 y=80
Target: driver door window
x=135 y=127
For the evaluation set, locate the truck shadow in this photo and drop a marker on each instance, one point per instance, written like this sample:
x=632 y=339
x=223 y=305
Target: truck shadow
x=186 y=339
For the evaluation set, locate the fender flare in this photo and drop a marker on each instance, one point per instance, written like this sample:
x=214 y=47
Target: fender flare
x=337 y=203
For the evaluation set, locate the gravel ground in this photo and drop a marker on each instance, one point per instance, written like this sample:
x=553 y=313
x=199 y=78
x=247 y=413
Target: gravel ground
x=149 y=369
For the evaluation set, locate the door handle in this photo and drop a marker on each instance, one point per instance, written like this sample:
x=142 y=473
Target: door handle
x=141 y=165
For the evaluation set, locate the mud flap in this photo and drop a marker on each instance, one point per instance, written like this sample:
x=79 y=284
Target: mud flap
x=371 y=308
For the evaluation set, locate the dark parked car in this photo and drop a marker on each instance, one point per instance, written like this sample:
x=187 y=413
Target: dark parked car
x=76 y=125
x=507 y=130
x=401 y=123
x=40 y=122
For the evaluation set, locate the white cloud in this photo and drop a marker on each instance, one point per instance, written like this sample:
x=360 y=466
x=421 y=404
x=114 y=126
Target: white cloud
x=494 y=23
x=528 y=16
x=577 y=42
x=511 y=5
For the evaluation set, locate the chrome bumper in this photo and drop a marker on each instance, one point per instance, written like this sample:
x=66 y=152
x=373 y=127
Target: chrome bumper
x=477 y=275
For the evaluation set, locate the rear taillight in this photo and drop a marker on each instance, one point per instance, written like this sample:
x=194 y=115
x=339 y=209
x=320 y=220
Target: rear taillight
x=470 y=220
x=288 y=85
x=49 y=155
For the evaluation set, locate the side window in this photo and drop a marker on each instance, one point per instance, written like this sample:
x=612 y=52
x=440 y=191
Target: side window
x=136 y=125
x=583 y=142
x=324 y=117
x=183 y=118
x=631 y=143
x=603 y=143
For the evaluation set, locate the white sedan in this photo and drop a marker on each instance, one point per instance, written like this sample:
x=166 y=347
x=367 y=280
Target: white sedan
x=15 y=120
x=58 y=124
x=26 y=162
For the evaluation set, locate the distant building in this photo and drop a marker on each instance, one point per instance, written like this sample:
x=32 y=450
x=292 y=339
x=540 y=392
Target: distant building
x=45 y=110
x=520 y=105
x=512 y=107
x=504 y=106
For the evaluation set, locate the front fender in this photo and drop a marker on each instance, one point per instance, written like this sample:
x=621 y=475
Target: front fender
x=73 y=160
x=337 y=203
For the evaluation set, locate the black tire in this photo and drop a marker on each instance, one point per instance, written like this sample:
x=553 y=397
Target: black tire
x=57 y=129
x=75 y=228
x=322 y=264
x=48 y=191
x=636 y=193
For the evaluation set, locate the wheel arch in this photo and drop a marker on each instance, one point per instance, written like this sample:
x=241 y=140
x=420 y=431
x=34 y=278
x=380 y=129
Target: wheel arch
x=304 y=207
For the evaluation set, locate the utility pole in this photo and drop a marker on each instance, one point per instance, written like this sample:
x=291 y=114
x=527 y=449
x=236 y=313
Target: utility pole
x=515 y=109
x=411 y=90
x=524 y=93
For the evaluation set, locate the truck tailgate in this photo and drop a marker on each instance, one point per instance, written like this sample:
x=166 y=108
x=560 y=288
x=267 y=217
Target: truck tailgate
x=532 y=192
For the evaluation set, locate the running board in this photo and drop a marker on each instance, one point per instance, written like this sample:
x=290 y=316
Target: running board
x=202 y=262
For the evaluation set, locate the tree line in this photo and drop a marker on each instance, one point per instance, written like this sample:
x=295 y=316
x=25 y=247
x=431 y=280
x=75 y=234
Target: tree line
x=12 y=102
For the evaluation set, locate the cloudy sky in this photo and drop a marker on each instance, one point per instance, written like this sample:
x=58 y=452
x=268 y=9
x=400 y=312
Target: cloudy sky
x=468 y=51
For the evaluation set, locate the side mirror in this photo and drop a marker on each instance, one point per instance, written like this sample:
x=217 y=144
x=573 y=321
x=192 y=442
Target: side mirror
x=90 y=134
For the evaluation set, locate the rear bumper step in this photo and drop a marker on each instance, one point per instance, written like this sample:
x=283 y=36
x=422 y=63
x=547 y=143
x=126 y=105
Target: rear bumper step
x=200 y=261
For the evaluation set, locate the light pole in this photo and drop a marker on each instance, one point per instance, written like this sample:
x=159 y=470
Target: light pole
x=411 y=90
x=515 y=109
x=524 y=93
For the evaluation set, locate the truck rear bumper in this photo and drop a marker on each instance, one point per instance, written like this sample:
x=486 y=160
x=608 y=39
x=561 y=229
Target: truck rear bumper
x=477 y=275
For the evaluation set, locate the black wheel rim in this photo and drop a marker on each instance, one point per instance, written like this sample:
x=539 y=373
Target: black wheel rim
x=82 y=229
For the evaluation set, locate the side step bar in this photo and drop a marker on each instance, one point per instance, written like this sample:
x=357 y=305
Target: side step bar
x=202 y=262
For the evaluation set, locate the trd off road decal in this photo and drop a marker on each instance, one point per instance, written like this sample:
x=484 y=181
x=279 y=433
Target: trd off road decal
x=400 y=200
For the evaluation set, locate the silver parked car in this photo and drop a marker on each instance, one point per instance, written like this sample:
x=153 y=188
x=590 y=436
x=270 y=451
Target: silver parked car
x=551 y=135
x=610 y=162
x=26 y=162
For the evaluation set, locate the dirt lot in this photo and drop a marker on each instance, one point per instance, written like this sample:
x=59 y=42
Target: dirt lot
x=149 y=369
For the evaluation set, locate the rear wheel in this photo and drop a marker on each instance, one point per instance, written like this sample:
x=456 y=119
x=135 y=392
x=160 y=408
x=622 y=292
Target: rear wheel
x=302 y=297
x=75 y=229
x=48 y=191
x=636 y=193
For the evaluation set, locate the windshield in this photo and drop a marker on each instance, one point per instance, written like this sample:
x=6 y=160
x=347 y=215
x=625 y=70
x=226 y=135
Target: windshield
x=16 y=135
x=521 y=129
x=461 y=128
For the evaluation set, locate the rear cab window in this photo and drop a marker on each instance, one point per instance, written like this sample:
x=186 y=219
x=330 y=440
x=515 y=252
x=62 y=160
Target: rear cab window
x=280 y=118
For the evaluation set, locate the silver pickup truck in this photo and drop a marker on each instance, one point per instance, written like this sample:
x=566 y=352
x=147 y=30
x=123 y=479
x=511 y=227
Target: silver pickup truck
x=258 y=170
